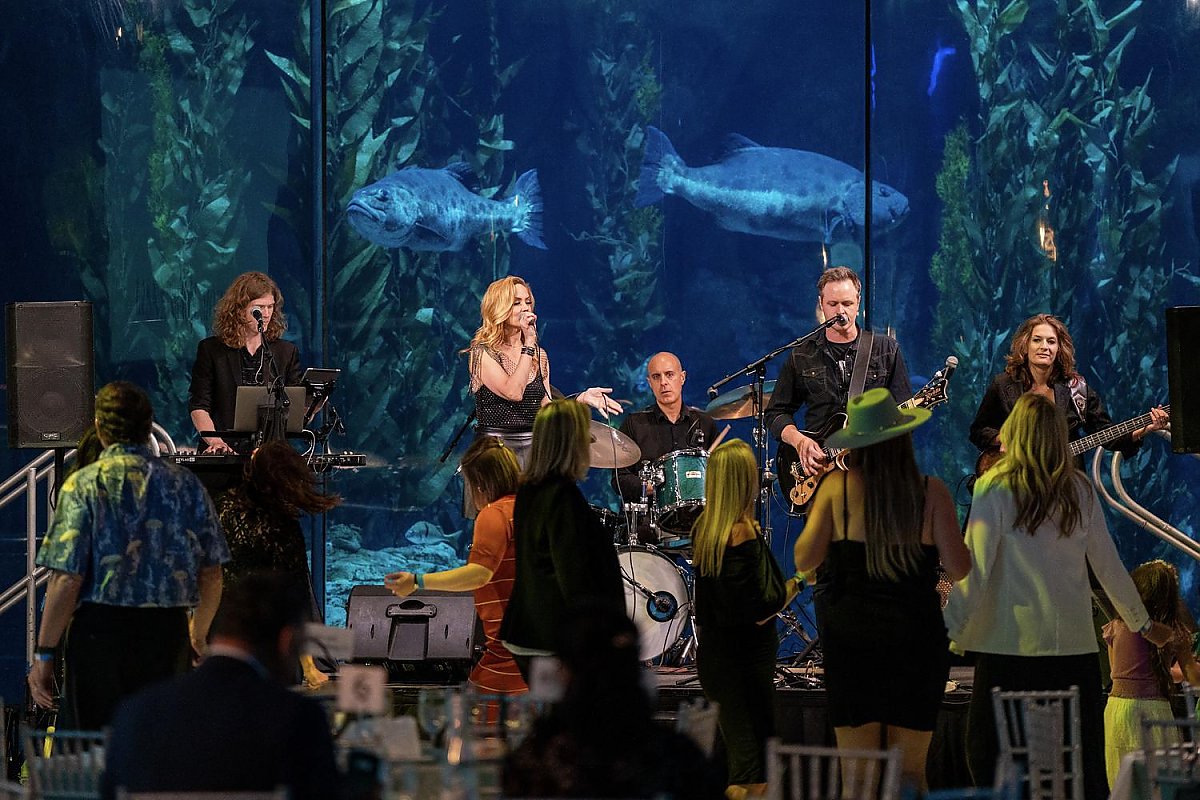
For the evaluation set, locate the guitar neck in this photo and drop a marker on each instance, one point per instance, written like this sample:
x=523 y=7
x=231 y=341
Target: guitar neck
x=1080 y=446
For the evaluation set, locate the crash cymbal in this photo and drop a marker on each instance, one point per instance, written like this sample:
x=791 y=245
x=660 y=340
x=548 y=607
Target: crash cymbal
x=611 y=449
x=737 y=403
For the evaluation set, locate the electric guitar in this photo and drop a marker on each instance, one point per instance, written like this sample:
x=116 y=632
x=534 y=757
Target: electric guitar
x=798 y=487
x=988 y=458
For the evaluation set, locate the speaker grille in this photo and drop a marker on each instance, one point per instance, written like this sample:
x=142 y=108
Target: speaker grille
x=50 y=380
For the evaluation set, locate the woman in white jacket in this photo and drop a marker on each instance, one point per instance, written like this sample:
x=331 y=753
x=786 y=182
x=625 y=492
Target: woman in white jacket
x=1025 y=608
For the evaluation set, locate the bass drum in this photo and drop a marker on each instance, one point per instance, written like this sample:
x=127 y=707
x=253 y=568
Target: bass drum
x=656 y=598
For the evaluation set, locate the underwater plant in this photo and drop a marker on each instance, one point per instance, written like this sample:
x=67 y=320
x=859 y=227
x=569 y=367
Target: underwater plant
x=623 y=242
x=1060 y=145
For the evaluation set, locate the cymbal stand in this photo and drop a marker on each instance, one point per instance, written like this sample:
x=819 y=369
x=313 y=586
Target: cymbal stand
x=757 y=369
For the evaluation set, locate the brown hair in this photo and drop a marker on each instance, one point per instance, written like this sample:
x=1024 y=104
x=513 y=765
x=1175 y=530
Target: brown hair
x=123 y=413
x=894 y=507
x=1158 y=584
x=836 y=275
x=228 y=322
x=491 y=468
x=279 y=479
x=1017 y=360
x=560 y=442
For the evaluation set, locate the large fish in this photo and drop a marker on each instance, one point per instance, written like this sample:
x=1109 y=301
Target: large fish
x=431 y=209
x=770 y=191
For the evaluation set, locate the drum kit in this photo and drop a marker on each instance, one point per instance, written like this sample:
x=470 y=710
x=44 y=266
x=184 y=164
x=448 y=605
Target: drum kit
x=653 y=538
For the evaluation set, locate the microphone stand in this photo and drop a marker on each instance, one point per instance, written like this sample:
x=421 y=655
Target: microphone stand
x=758 y=371
x=272 y=418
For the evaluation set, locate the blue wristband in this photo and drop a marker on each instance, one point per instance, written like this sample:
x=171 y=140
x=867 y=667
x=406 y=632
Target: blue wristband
x=43 y=656
x=419 y=578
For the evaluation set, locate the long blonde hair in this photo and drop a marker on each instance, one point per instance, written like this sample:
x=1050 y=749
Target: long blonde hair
x=730 y=488
x=560 y=442
x=1037 y=466
x=494 y=309
x=894 y=505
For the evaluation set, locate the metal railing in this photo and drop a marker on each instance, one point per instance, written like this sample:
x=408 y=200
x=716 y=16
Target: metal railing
x=24 y=484
x=1122 y=502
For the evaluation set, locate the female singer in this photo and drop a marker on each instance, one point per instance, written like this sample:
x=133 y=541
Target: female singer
x=1041 y=360
x=491 y=469
x=1036 y=527
x=876 y=532
x=235 y=357
x=510 y=372
x=739 y=589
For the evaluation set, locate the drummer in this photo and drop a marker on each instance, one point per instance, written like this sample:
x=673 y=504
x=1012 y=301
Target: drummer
x=665 y=426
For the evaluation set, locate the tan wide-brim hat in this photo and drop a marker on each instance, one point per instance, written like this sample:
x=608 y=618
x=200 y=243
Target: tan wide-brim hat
x=874 y=417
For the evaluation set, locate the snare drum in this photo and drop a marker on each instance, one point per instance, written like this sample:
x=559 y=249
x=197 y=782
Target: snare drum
x=680 y=497
x=656 y=598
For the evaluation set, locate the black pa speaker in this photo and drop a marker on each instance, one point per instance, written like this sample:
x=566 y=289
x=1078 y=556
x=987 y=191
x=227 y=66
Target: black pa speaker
x=1183 y=370
x=50 y=373
x=428 y=632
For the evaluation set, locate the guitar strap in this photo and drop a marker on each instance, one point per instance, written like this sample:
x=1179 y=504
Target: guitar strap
x=858 y=378
x=1079 y=396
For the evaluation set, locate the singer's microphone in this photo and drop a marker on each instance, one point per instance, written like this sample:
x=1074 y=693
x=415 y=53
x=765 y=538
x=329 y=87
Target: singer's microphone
x=842 y=319
x=712 y=393
x=950 y=366
x=254 y=312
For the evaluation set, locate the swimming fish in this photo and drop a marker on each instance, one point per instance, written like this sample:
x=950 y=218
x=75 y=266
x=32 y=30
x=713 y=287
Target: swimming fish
x=770 y=191
x=431 y=209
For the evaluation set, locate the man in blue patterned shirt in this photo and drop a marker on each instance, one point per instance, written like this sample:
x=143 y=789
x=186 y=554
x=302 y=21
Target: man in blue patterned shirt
x=134 y=544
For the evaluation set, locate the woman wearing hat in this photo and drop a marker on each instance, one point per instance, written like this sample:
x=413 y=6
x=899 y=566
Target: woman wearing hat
x=875 y=535
x=739 y=589
x=1036 y=526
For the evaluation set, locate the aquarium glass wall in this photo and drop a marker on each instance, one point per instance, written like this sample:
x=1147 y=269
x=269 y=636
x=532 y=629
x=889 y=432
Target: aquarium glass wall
x=697 y=166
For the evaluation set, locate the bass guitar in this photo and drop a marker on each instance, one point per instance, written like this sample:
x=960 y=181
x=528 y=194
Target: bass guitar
x=988 y=458
x=798 y=486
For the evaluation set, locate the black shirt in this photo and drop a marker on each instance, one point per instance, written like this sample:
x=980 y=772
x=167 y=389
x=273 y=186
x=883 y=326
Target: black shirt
x=656 y=436
x=813 y=378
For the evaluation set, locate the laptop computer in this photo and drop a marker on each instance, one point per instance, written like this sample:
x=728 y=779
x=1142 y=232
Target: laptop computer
x=249 y=398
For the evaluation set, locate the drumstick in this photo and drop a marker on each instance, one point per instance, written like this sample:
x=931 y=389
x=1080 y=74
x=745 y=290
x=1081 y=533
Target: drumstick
x=720 y=436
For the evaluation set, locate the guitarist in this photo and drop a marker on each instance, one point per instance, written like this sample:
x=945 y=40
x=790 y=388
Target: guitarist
x=1041 y=360
x=818 y=373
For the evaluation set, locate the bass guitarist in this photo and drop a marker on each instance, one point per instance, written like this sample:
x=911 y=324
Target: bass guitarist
x=817 y=374
x=1041 y=360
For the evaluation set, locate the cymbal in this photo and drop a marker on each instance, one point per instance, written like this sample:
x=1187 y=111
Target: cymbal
x=611 y=449
x=737 y=403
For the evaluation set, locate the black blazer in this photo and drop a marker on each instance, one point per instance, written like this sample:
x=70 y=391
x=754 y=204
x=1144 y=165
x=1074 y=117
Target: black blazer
x=217 y=372
x=221 y=728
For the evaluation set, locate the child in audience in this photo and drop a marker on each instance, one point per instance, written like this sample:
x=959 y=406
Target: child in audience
x=1141 y=672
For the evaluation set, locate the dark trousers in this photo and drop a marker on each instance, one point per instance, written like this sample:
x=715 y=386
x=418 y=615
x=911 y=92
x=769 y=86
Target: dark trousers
x=1037 y=673
x=737 y=669
x=111 y=652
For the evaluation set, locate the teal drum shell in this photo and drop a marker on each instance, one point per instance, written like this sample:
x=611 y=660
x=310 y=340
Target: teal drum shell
x=680 y=496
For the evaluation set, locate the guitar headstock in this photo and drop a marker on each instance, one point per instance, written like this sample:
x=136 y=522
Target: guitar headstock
x=934 y=393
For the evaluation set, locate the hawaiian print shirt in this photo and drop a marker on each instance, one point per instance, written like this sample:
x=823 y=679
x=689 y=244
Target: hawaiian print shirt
x=137 y=528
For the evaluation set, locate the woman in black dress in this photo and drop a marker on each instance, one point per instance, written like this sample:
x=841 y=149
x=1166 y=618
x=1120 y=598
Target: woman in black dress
x=875 y=535
x=739 y=589
x=261 y=520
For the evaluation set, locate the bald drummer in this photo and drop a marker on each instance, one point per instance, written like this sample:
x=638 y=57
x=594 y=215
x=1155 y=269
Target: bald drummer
x=665 y=426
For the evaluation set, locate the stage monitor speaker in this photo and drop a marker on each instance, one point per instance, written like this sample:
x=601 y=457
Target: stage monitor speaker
x=1183 y=371
x=50 y=373
x=440 y=629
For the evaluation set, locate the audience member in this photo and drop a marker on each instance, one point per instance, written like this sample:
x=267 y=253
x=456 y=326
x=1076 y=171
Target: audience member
x=133 y=545
x=1036 y=526
x=491 y=472
x=232 y=725
x=739 y=589
x=261 y=520
x=565 y=559
x=601 y=740
x=1141 y=673
x=875 y=535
